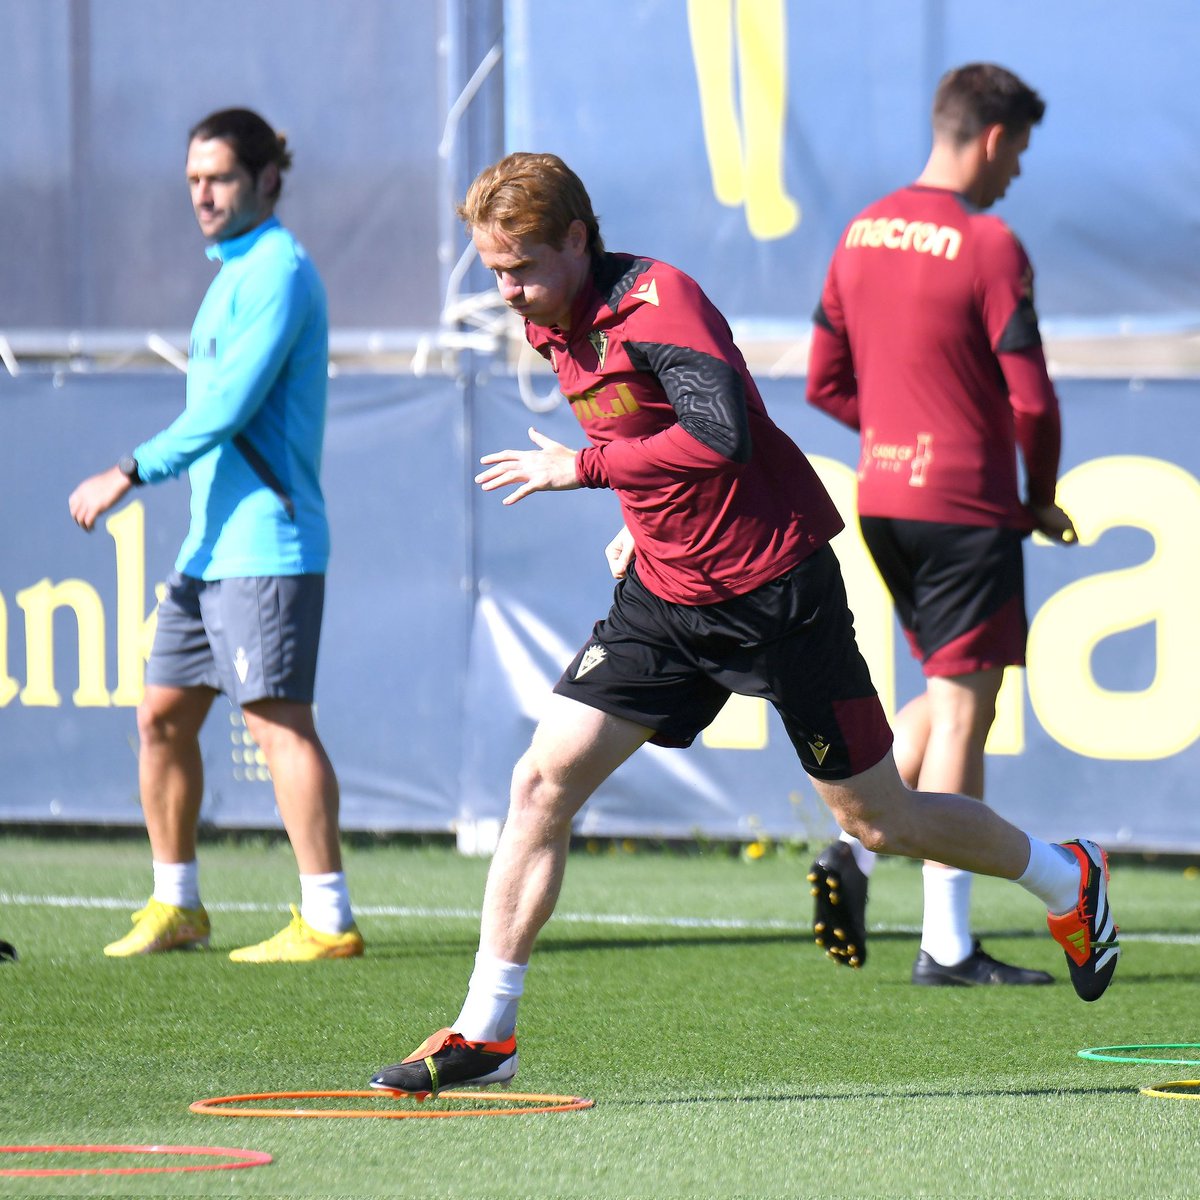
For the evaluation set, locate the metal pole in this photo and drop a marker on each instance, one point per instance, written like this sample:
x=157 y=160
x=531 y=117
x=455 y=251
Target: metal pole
x=78 y=233
x=470 y=46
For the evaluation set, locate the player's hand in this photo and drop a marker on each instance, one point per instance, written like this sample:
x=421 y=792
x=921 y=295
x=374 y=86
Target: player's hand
x=1050 y=521
x=96 y=495
x=619 y=553
x=550 y=468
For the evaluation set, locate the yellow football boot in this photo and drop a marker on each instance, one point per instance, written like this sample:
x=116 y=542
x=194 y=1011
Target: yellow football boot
x=300 y=942
x=161 y=926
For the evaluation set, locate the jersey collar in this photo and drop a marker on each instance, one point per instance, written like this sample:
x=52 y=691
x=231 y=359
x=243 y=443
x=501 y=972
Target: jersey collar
x=236 y=247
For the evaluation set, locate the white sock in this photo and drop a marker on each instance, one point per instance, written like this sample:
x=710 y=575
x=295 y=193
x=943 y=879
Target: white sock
x=489 y=1013
x=864 y=857
x=325 y=902
x=946 y=927
x=1052 y=876
x=177 y=883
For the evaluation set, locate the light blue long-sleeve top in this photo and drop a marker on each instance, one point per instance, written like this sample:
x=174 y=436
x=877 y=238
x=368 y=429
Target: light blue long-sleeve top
x=258 y=366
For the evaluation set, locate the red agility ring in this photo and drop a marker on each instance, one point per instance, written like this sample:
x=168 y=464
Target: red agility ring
x=532 y=1102
x=245 y=1158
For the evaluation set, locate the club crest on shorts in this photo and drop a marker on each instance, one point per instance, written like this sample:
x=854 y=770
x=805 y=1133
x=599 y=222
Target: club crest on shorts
x=241 y=663
x=593 y=656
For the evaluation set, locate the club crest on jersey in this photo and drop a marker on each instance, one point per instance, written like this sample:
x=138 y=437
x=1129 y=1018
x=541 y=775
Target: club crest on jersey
x=599 y=340
x=593 y=656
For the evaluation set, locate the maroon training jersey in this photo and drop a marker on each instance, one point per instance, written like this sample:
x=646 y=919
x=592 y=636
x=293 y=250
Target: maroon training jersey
x=926 y=341
x=718 y=499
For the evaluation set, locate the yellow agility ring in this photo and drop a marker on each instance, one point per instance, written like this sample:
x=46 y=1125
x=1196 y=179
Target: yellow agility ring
x=1187 y=1089
x=500 y=1104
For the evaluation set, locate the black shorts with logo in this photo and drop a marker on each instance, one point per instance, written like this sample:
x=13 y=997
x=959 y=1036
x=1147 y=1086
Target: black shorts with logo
x=959 y=591
x=671 y=667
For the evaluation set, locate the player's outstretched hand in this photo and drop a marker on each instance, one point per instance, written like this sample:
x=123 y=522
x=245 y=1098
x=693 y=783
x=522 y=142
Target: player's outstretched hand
x=96 y=495
x=550 y=468
x=1050 y=521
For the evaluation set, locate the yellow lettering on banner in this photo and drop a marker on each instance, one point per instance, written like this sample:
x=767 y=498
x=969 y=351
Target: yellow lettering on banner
x=8 y=685
x=40 y=602
x=1135 y=725
x=742 y=724
x=870 y=601
x=135 y=630
x=745 y=133
x=1007 y=734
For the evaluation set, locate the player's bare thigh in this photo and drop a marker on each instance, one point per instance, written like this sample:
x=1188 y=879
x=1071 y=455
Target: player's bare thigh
x=574 y=749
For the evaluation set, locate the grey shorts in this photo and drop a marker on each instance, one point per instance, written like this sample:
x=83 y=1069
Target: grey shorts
x=253 y=638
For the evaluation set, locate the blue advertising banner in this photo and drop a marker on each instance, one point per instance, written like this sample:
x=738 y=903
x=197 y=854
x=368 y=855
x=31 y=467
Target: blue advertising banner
x=449 y=617
x=1099 y=733
x=96 y=108
x=737 y=138
x=77 y=611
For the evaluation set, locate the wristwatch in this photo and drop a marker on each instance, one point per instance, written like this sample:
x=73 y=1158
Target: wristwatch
x=129 y=468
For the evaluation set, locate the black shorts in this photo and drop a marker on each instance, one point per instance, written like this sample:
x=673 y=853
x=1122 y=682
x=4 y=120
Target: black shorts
x=959 y=591
x=671 y=667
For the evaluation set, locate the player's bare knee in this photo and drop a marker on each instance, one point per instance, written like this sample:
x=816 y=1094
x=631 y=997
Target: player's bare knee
x=535 y=795
x=155 y=725
x=872 y=837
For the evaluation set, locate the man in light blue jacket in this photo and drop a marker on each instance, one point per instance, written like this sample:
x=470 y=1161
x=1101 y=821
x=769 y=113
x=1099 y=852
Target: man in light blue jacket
x=242 y=613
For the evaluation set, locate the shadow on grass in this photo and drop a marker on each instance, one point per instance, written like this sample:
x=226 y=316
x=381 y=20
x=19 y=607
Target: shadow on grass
x=559 y=942
x=675 y=940
x=826 y=1097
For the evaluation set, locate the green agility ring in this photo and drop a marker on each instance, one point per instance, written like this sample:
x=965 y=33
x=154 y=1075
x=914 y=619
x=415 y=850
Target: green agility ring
x=1120 y=1053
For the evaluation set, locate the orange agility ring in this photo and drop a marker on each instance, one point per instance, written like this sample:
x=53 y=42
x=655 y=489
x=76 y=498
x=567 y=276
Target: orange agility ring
x=498 y=1104
x=242 y=1158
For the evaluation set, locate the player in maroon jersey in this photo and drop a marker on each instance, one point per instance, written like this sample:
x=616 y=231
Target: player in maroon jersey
x=926 y=341
x=732 y=587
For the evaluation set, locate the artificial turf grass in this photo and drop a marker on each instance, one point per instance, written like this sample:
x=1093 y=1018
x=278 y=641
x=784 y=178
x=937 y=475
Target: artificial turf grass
x=723 y=1062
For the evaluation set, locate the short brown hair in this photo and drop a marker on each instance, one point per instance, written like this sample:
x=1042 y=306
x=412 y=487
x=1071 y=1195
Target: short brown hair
x=531 y=196
x=972 y=97
x=253 y=141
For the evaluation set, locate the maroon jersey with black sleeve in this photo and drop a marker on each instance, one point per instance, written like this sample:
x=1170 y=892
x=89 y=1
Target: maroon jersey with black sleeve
x=718 y=499
x=926 y=340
